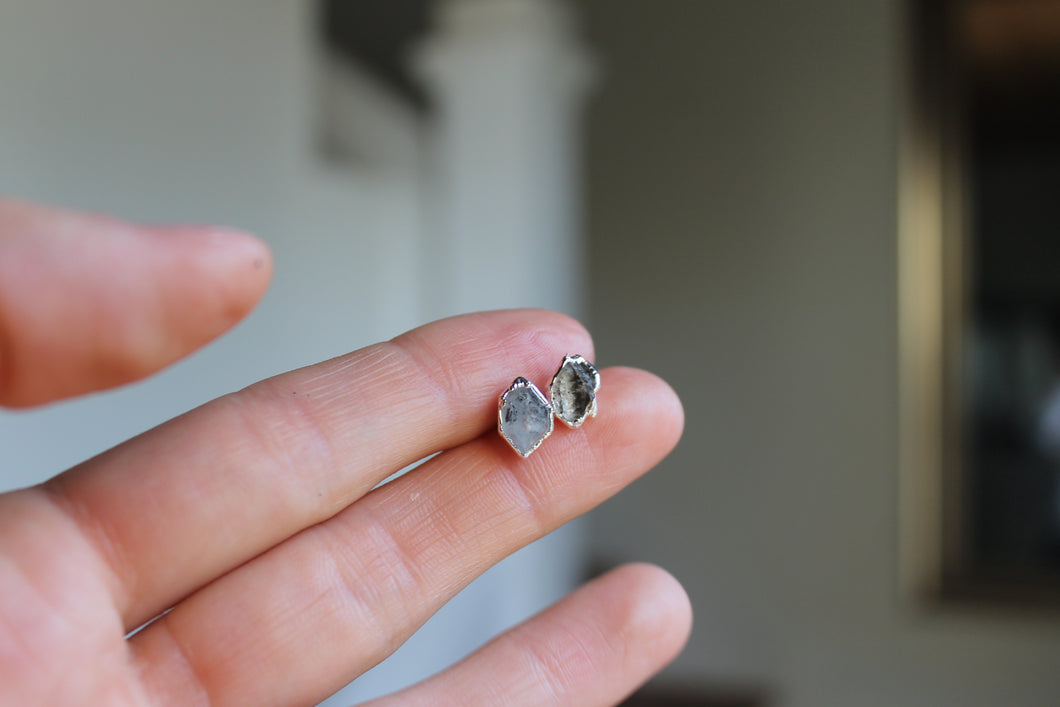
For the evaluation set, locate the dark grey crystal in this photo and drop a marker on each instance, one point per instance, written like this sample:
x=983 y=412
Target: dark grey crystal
x=525 y=417
x=574 y=390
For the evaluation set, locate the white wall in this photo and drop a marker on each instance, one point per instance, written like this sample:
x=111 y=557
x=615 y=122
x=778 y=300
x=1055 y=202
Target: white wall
x=196 y=111
x=742 y=230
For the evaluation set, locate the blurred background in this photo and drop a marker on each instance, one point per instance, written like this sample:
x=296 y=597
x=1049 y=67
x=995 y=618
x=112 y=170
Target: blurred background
x=754 y=199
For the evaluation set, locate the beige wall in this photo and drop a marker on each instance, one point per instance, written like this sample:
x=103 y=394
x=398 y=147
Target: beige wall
x=742 y=216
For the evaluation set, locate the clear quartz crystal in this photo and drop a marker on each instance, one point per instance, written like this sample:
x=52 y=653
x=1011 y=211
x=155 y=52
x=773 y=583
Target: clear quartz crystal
x=574 y=390
x=524 y=416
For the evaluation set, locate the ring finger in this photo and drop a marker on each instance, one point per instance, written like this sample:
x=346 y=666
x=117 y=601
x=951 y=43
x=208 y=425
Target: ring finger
x=340 y=596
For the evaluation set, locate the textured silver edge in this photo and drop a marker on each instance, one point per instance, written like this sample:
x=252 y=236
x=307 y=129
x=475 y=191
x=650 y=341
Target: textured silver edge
x=591 y=410
x=521 y=382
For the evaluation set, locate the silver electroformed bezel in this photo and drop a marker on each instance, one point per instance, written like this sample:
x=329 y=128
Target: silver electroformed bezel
x=578 y=360
x=517 y=384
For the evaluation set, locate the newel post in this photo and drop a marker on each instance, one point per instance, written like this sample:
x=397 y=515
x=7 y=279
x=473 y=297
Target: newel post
x=507 y=79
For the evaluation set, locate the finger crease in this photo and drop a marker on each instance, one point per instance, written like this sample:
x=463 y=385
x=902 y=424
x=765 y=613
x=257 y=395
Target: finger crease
x=522 y=495
x=430 y=367
x=181 y=655
x=559 y=660
x=112 y=555
x=372 y=577
x=288 y=433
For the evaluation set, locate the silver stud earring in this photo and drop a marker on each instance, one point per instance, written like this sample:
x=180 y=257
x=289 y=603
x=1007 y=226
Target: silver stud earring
x=524 y=416
x=574 y=390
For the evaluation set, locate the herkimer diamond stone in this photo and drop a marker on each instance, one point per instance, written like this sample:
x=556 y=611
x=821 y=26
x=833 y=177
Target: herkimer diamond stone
x=524 y=416
x=574 y=390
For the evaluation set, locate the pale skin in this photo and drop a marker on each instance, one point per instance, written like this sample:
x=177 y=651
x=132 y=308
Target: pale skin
x=254 y=517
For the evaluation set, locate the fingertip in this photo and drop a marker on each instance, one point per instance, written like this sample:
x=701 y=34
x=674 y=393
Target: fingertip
x=571 y=329
x=544 y=330
x=227 y=268
x=670 y=408
x=504 y=344
x=659 y=612
x=646 y=410
x=244 y=251
x=226 y=254
x=235 y=246
x=243 y=264
x=594 y=647
x=89 y=302
x=552 y=336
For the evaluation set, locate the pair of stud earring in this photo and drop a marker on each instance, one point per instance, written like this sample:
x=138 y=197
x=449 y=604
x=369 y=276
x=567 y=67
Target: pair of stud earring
x=524 y=414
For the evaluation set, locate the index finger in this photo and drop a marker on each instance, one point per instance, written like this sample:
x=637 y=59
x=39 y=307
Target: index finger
x=181 y=504
x=89 y=302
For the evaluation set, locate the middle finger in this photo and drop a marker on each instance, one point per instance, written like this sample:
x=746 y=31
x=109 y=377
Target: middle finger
x=182 y=504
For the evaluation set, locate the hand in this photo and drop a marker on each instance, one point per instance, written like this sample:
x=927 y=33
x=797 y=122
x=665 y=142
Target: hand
x=253 y=518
